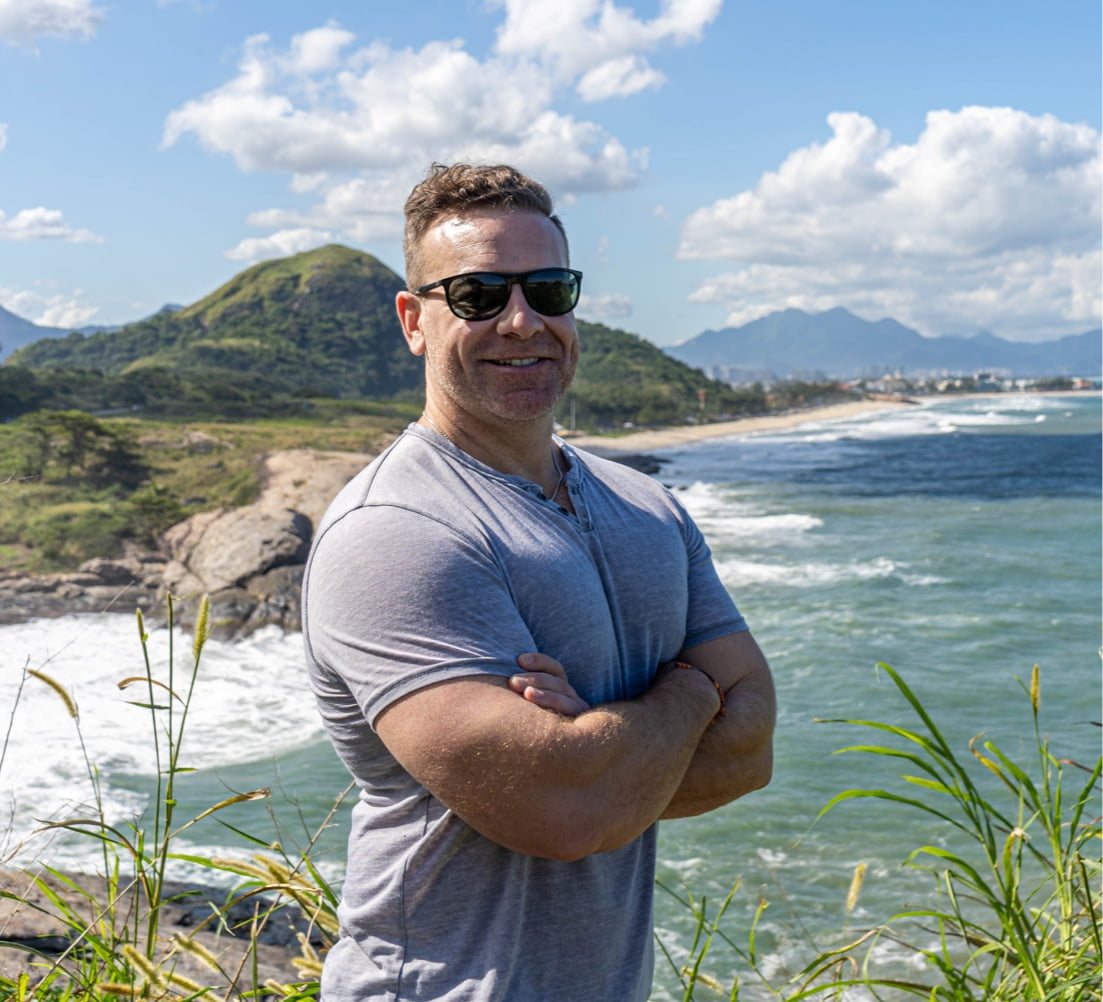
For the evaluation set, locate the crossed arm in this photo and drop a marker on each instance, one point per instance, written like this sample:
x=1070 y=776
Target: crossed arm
x=579 y=780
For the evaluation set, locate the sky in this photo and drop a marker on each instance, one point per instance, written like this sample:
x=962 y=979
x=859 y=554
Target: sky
x=713 y=160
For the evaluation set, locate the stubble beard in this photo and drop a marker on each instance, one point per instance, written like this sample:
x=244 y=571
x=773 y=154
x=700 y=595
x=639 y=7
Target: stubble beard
x=467 y=396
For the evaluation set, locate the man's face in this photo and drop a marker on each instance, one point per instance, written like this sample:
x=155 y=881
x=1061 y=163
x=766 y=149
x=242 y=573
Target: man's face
x=512 y=367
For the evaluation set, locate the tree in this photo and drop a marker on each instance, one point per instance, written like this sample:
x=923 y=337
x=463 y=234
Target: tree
x=76 y=441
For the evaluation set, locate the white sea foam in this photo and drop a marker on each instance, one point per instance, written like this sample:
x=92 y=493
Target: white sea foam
x=251 y=702
x=737 y=574
x=938 y=416
x=723 y=513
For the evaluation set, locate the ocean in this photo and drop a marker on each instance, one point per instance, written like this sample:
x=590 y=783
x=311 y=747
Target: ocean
x=957 y=541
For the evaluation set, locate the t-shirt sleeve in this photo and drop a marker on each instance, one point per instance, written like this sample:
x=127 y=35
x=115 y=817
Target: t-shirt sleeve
x=398 y=600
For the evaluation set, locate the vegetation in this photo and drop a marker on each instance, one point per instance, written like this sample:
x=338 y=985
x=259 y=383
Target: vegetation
x=109 y=439
x=624 y=379
x=77 y=486
x=285 y=333
x=1016 y=916
x=320 y=323
x=1015 y=913
x=113 y=921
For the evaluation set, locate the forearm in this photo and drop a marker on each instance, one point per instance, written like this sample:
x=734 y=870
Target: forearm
x=640 y=752
x=734 y=756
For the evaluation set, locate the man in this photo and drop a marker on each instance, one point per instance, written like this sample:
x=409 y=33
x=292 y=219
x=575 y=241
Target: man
x=522 y=652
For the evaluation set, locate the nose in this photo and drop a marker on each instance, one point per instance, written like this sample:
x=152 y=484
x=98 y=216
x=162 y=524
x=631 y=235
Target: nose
x=518 y=319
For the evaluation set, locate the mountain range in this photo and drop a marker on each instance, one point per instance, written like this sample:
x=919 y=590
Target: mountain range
x=838 y=344
x=324 y=321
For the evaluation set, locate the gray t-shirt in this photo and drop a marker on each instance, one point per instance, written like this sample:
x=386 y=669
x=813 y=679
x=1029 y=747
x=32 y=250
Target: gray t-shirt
x=429 y=566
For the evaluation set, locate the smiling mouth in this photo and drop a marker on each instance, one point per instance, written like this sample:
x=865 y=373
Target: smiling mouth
x=516 y=363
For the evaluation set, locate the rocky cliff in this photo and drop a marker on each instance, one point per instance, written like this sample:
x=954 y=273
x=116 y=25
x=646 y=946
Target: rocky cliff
x=249 y=560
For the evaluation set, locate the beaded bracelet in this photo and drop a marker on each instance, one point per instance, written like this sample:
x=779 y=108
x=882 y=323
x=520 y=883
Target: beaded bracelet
x=723 y=711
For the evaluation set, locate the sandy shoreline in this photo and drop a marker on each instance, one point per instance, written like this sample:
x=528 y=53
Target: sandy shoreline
x=667 y=438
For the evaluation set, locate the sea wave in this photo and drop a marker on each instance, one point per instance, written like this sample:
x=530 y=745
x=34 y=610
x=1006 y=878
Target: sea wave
x=938 y=416
x=721 y=513
x=737 y=573
x=251 y=702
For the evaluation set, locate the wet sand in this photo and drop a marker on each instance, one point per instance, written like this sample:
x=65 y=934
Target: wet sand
x=667 y=438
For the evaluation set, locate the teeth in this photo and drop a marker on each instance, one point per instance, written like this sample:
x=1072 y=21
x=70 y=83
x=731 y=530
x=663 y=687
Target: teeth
x=518 y=362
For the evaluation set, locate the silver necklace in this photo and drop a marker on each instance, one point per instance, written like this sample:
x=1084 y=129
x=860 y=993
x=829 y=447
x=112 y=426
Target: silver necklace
x=554 y=458
x=437 y=427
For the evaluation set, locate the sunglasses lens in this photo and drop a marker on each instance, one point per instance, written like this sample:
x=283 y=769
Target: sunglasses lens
x=477 y=297
x=552 y=292
x=482 y=295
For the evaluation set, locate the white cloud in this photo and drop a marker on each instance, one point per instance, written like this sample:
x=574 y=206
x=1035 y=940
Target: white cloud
x=991 y=220
x=280 y=244
x=610 y=306
x=43 y=224
x=49 y=309
x=356 y=125
x=23 y=21
x=594 y=44
x=3 y=135
x=619 y=78
x=380 y=110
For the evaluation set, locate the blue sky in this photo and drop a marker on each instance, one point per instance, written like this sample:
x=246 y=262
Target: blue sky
x=713 y=161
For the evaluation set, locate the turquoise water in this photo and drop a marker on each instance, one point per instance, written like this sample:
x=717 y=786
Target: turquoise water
x=957 y=541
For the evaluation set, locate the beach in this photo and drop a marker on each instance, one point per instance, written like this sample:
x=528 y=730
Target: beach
x=666 y=438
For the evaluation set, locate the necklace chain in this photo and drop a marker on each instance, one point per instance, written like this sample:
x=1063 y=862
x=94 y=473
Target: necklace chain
x=554 y=458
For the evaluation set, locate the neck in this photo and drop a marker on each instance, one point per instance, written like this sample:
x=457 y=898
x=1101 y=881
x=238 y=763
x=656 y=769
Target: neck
x=525 y=449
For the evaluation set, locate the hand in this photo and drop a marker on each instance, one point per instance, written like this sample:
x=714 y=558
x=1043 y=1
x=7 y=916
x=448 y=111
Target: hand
x=544 y=682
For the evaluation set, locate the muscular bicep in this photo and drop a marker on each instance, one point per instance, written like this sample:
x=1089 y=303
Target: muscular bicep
x=395 y=601
x=510 y=769
x=734 y=659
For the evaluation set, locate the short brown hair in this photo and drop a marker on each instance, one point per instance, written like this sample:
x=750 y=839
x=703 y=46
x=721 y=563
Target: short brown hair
x=462 y=187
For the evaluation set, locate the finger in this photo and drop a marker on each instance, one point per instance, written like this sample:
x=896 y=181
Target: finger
x=541 y=680
x=536 y=662
x=566 y=703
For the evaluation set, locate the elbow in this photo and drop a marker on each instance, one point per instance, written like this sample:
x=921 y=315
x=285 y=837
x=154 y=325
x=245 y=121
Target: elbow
x=571 y=843
x=762 y=771
x=571 y=835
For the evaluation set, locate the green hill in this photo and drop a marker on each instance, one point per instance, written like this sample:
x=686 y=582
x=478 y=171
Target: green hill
x=623 y=378
x=322 y=324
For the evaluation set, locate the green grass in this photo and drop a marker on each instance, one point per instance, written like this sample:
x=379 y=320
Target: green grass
x=113 y=919
x=57 y=517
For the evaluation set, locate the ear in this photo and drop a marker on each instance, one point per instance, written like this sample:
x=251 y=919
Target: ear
x=409 y=315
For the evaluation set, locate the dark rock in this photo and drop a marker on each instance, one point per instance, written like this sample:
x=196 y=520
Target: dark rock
x=114 y=572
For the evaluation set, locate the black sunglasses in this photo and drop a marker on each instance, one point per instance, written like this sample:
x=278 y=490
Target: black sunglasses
x=481 y=295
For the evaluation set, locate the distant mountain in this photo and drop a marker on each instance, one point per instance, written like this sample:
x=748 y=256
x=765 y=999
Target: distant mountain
x=322 y=322
x=838 y=344
x=16 y=332
x=621 y=377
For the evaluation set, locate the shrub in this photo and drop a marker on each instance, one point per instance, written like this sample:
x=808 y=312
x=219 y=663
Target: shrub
x=75 y=530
